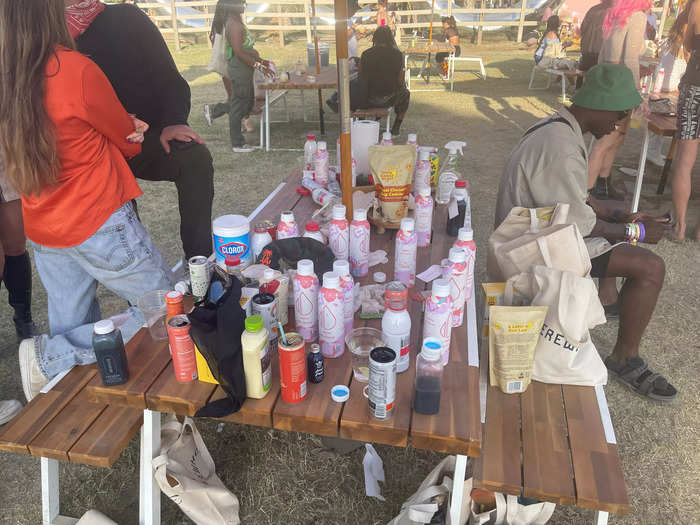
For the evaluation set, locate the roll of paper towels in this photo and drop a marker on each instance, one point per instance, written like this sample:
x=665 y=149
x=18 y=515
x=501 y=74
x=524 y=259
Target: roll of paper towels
x=364 y=133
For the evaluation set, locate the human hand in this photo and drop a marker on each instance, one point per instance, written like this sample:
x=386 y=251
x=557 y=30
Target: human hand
x=180 y=132
x=622 y=216
x=644 y=108
x=140 y=127
x=654 y=231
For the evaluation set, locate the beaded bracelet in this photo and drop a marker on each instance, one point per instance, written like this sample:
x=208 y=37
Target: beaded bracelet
x=643 y=232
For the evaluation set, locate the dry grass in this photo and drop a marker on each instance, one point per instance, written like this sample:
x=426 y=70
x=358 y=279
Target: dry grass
x=289 y=478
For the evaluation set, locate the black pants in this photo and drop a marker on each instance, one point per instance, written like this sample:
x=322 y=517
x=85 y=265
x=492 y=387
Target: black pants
x=192 y=171
x=399 y=100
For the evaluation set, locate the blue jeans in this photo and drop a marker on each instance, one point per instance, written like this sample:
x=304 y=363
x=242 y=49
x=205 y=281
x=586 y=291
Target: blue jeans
x=121 y=256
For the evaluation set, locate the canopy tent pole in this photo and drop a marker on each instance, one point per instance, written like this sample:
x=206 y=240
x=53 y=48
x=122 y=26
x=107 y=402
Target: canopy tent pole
x=341 y=50
x=318 y=68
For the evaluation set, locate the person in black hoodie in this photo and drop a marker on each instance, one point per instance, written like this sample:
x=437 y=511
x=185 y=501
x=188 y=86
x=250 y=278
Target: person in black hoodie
x=130 y=50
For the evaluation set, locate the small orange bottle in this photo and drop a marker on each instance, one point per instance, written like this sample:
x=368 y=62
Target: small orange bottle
x=173 y=304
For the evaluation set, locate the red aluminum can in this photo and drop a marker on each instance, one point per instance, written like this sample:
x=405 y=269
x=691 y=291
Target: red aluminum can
x=173 y=305
x=292 y=358
x=182 y=349
x=270 y=226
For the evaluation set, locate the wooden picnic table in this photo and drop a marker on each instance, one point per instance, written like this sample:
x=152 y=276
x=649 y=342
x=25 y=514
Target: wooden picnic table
x=326 y=79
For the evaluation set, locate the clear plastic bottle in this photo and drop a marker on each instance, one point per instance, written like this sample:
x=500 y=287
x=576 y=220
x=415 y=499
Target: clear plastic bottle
x=449 y=173
x=421 y=176
x=322 y=196
x=281 y=293
x=339 y=233
x=426 y=397
x=423 y=213
x=233 y=268
x=396 y=324
x=321 y=163
x=437 y=321
x=313 y=231
x=456 y=222
x=405 y=255
x=257 y=365
x=331 y=328
x=287 y=227
x=306 y=300
x=412 y=140
x=358 y=253
x=342 y=268
x=310 y=148
x=386 y=139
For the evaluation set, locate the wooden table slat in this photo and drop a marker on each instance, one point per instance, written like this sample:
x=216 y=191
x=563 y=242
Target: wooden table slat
x=167 y=394
x=107 y=437
x=57 y=438
x=547 y=473
x=286 y=199
x=600 y=484
x=16 y=435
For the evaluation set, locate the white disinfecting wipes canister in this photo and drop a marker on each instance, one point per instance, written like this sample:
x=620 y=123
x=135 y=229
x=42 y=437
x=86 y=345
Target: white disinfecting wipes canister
x=231 y=235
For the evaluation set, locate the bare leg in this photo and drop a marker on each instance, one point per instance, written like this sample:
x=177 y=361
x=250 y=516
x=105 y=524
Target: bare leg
x=682 y=168
x=12 y=229
x=602 y=156
x=607 y=290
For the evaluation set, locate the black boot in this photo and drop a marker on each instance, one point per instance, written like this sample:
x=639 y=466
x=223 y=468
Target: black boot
x=18 y=280
x=396 y=128
x=604 y=190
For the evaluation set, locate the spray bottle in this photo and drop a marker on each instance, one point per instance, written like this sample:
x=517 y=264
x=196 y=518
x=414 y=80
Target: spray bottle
x=449 y=173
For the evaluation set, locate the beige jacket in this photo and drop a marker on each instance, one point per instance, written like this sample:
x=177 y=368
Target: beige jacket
x=549 y=166
x=626 y=44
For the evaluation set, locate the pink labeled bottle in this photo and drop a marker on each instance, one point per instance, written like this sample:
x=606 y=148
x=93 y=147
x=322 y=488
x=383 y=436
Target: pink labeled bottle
x=287 y=227
x=306 y=300
x=465 y=241
x=405 y=255
x=386 y=139
x=321 y=163
x=421 y=176
x=358 y=253
x=342 y=268
x=423 y=213
x=437 y=321
x=457 y=270
x=412 y=140
x=339 y=233
x=396 y=324
x=331 y=312
x=310 y=148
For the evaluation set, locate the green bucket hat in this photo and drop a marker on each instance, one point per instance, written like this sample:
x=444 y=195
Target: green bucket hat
x=608 y=87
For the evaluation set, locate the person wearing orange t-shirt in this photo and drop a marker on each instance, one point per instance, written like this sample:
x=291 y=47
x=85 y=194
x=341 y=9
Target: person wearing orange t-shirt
x=65 y=138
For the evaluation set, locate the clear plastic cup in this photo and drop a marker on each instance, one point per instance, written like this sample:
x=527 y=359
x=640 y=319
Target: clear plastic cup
x=152 y=305
x=360 y=342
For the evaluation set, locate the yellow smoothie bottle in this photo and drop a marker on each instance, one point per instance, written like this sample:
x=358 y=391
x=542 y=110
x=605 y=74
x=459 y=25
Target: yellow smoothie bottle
x=257 y=357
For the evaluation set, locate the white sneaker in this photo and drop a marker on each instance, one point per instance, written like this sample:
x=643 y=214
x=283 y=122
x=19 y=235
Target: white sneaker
x=243 y=149
x=207 y=114
x=8 y=410
x=656 y=159
x=33 y=380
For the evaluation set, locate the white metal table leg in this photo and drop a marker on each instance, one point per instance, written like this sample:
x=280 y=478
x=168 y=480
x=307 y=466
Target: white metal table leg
x=267 y=120
x=451 y=72
x=601 y=518
x=640 y=170
x=458 y=488
x=149 y=492
x=563 y=88
x=483 y=69
x=50 y=505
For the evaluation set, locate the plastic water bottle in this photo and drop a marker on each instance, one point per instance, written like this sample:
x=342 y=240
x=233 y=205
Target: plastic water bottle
x=321 y=163
x=310 y=148
x=313 y=231
x=386 y=139
x=322 y=196
x=342 y=268
x=306 y=300
x=458 y=207
x=287 y=227
x=457 y=268
x=449 y=173
x=437 y=321
x=331 y=329
x=423 y=213
x=429 y=369
x=339 y=233
x=405 y=254
x=421 y=177
x=465 y=241
x=396 y=324
x=358 y=253
x=659 y=80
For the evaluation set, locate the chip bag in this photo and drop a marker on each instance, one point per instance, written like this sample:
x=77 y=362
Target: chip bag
x=392 y=169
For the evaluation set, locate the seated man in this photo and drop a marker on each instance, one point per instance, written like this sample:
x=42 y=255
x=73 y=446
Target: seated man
x=131 y=52
x=381 y=80
x=549 y=165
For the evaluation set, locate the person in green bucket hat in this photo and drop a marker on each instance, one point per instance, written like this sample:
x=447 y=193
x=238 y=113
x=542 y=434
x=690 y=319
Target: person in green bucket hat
x=550 y=165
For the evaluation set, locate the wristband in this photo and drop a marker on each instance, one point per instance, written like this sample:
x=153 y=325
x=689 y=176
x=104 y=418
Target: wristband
x=629 y=231
x=643 y=232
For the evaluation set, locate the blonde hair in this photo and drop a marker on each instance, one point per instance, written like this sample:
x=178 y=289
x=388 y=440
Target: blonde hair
x=30 y=30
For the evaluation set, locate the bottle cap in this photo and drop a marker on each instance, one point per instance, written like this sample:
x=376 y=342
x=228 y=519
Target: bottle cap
x=305 y=267
x=182 y=287
x=268 y=274
x=315 y=348
x=441 y=288
x=287 y=216
x=432 y=349
x=322 y=146
x=341 y=267
x=457 y=255
x=260 y=227
x=106 y=326
x=338 y=212
x=312 y=226
x=359 y=214
x=232 y=260
x=386 y=135
x=340 y=393
x=424 y=191
x=332 y=280
x=460 y=183
x=379 y=277
x=254 y=323
x=412 y=138
x=408 y=224
x=310 y=136
x=396 y=296
x=465 y=234
x=173 y=297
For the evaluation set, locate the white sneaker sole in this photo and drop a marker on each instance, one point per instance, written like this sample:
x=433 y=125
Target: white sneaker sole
x=244 y=149
x=8 y=410
x=27 y=361
x=207 y=114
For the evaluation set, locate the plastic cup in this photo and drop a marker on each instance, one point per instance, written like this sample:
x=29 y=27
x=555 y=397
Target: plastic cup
x=152 y=305
x=360 y=342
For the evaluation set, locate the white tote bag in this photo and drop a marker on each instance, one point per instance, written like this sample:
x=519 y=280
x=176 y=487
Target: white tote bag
x=535 y=514
x=496 y=516
x=218 y=62
x=565 y=353
x=185 y=472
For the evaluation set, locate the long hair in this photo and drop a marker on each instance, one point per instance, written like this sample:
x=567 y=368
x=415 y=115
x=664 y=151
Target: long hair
x=677 y=32
x=618 y=14
x=224 y=10
x=450 y=21
x=383 y=37
x=30 y=30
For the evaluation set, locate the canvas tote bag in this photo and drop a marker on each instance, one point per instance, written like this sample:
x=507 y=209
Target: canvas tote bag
x=565 y=353
x=535 y=514
x=185 y=473
x=217 y=62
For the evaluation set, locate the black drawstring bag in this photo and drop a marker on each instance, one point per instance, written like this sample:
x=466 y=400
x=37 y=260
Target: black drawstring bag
x=286 y=253
x=217 y=325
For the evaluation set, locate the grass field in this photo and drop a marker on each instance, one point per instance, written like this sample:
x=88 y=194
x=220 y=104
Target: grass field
x=291 y=478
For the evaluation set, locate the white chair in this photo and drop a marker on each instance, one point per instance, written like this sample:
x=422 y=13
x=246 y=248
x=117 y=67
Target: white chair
x=451 y=67
x=550 y=72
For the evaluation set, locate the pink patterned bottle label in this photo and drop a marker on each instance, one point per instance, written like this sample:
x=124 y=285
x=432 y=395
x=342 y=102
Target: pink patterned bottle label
x=424 y=220
x=405 y=260
x=458 y=284
x=286 y=230
x=306 y=306
x=359 y=248
x=339 y=238
x=348 y=302
x=470 y=250
x=331 y=328
x=438 y=322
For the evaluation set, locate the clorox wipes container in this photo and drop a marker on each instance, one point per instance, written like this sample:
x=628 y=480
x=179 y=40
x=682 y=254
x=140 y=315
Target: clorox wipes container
x=231 y=235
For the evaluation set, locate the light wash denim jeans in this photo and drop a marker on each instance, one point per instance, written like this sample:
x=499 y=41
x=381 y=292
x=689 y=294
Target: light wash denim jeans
x=121 y=256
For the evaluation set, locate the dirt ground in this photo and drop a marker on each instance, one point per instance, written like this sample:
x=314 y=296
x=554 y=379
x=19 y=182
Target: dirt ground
x=291 y=478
